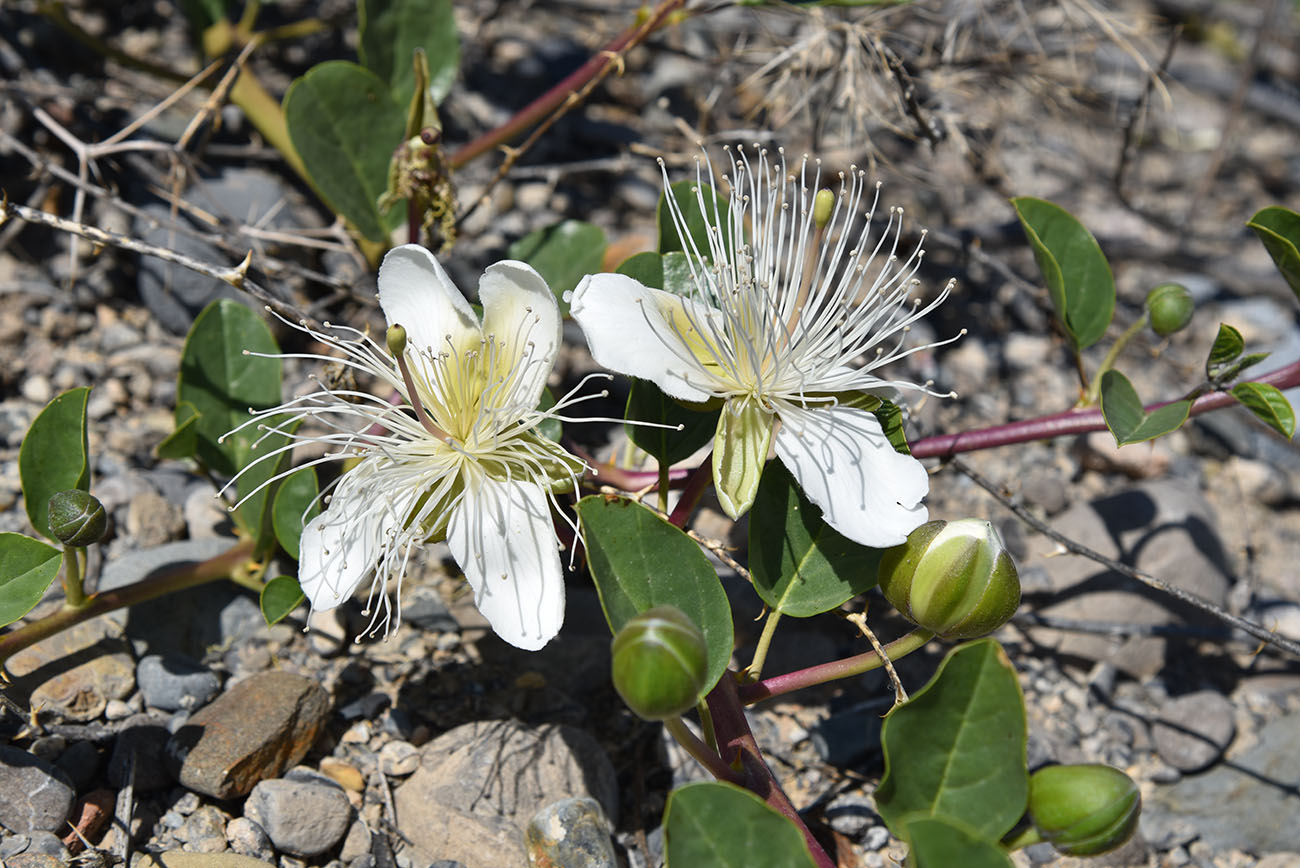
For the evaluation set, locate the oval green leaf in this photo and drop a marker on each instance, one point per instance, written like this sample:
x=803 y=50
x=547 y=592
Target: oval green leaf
x=279 y=597
x=645 y=268
x=646 y=402
x=182 y=442
x=1228 y=344
x=563 y=253
x=701 y=208
x=391 y=30
x=345 y=124
x=941 y=842
x=55 y=455
x=1268 y=404
x=1075 y=270
x=294 y=505
x=1128 y=420
x=722 y=826
x=956 y=749
x=640 y=561
x=1279 y=230
x=801 y=565
x=27 y=568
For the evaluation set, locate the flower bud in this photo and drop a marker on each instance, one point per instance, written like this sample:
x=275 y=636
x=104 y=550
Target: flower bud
x=1170 y=307
x=954 y=579
x=1083 y=810
x=660 y=661
x=77 y=518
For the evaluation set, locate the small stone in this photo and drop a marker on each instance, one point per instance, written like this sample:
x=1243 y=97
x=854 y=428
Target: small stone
x=12 y=845
x=573 y=833
x=851 y=814
x=181 y=859
x=249 y=839
x=49 y=844
x=1194 y=730
x=399 y=758
x=301 y=817
x=251 y=732
x=116 y=709
x=37 y=389
x=48 y=747
x=173 y=682
x=33 y=860
x=204 y=516
x=144 y=738
x=344 y=774
x=78 y=692
x=152 y=520
x=357 y=842
x=34 y=794
x=423 y=608
x=79 y=762
x=326 y=632
x=1279 y=860
x=1136 y=460
x=204 y=831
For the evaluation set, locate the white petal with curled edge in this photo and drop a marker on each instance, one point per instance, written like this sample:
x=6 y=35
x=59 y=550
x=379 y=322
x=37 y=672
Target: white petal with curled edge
x=502 y=537
x=844 y=463
x=644 y=333
x=341 y=545
x=520 y=312
x=417 y=294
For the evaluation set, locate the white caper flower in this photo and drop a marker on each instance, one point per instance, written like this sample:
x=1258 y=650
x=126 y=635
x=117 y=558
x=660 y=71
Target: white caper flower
x=791 y=314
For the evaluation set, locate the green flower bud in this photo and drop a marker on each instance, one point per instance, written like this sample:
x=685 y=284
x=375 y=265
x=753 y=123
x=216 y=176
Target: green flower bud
x=823 y=206
x=1170 y=307
x=660 y=661
x=77 y=518
x=954 y=579
x=1084 y=810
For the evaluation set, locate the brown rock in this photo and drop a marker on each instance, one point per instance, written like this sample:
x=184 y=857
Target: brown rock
x=253 y=731
x=77 y=671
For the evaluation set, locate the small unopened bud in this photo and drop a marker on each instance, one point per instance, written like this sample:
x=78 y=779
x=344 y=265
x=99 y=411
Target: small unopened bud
x=77 y=518
x=1170 y=307
x=396 y=340
x=823 y=204
x=954 y=579
x=1084 y=810
x=660 y=662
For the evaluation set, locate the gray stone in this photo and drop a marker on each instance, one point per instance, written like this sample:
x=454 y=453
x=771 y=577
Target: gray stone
x=479 y=784
x=79 y=762
x=399 y=758
x=142 y=740
x=250 y=733
x=357 y=842
x=173 y=682
x=1249 y=803
x=204 y=831
x=181 y=859
x=301 y=817
x=48 y=844
x=35 y=796
x=573 y=833
x=1194 y=730
x=851 y=814
x=152 y=520
x=423 y=607
x=77 y=671
x=1163 y=528
x=249 y=839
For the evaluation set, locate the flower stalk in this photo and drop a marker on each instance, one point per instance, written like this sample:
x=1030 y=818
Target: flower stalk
x=832 y=671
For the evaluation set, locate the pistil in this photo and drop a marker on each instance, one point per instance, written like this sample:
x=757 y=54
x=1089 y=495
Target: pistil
x=396 y=339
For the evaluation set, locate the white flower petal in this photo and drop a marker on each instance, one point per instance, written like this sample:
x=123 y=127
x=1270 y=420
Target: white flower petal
x=628 y=329
x=844 y=463
x=520 y=310
x=417 y=294
x=339 y=547
x=502 y=537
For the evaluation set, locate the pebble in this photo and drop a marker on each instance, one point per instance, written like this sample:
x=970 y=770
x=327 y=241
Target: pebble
x=152 y=520
x=143 y=736
x=423 y=608
x=399 y=758
x=204 y=831
x=302 y=817
x=573 y=833
x=249 y=839
x=172 y=682
x=851 y=814
x=250 y=733
x=1194 y=730
x=356 y=843
x=34 y=860
x=48 y=844
x=78 y=692
x=181 y=859
x=343 y=773
x=35 y=795
x=80 y=762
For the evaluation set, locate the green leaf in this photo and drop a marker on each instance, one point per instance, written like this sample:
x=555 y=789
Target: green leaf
x=563 y=253
x=1268 y=404
x=294 y=505
x=645 y=268
x=646 y=402
x=552 y=428
x=55 y=455
x=941 y=842
x=222 y=382
x=279 y=597
x=202 y=14
x=956 y=749
x=1234 y=370
x=1128 y=420
x=1279 y=229
x=722 y=826
x=1228 y=344
x=1075 y=270
x=640 y=561
x=678 y=278
x=391 y=30
x=345 y=124
x=801 y=566
x=701 y=208
x=27 y=568
x=182 y=442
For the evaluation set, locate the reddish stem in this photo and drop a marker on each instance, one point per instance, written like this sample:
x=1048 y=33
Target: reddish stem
x=1073 y=421
x=691 y=494
x=736 y=740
